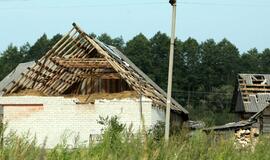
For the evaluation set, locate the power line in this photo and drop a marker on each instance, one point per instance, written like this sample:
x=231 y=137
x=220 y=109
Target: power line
x=140 y=4
x=225 y=4
x=211 y=101
x=201 y=92
x=89 y=5
x=12 y=0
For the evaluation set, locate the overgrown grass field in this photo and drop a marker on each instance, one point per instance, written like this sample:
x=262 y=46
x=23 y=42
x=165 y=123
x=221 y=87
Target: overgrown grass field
x=119 y=143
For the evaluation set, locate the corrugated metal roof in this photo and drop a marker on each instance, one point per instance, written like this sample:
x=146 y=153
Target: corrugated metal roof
x=255 y=116
x=247 y=78
x=257 y=102
x=255 y=91
x=7 y=82
x=234 y=125
x=250 y=77
x=229 y=126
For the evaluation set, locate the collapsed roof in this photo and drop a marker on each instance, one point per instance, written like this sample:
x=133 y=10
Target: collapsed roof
x=241 y=124
x=76 y=57
x=252 y=93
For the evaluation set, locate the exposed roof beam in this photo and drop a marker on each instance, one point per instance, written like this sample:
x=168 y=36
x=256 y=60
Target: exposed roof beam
x=82 y=63
x=100 y=75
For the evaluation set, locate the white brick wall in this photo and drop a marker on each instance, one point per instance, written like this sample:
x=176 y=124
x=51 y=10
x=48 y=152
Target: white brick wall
x=61 y=116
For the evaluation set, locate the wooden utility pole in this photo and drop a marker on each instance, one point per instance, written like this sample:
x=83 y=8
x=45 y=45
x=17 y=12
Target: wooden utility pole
x=169 y=89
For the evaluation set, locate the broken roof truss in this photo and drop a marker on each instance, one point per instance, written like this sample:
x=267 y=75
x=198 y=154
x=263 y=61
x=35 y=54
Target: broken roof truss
x=77 y=56
x=252 y=93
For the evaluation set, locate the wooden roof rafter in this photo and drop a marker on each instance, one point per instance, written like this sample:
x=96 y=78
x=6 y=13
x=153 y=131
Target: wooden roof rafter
x=78 y=56
x=15 y=86
x=79 y=51
x=73 y=51
x=130 y=76
x=82 y=62
x=76 y=71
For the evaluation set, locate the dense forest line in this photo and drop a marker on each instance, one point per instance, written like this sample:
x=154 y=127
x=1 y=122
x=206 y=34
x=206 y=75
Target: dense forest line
x=204 y=72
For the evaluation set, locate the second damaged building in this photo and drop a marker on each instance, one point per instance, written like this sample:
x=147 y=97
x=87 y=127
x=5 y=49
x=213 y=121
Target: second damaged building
x=251 y=95
x=250 y=103
x=247 y=131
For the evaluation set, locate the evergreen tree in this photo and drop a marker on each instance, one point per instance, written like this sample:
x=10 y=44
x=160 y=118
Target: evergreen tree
x=38 y=49
x=9 y=59
x=191 y=51
x=117 y=42
x=250 y=61
x=209 y=64
x=138 y=50
x=265 y=61
x=229 y=62
x=160 y=43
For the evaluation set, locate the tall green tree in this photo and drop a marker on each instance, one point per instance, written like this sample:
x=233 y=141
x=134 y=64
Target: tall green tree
x=250 y=61
x=138 y=50
x=228 y=62
x=9 y=59
x=53 y=41
x=191 y=51
x=209 y=64
x=179 y=73
x=24 y=50
x=117 y=42
x=104 y=37
x=265 y=61
x=38 y=49
x=160 y=43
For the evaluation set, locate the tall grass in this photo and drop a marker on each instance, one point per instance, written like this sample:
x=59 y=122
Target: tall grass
x=118 y=142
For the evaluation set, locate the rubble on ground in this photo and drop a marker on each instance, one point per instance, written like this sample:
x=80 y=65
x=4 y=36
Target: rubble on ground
x=246 y=138
x=196 y=124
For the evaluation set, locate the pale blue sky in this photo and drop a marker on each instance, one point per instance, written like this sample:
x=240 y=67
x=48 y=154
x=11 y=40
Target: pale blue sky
x=244 y=22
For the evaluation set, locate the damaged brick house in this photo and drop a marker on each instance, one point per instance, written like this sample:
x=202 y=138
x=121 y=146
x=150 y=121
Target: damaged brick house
x=252 y=94
x=75 y=82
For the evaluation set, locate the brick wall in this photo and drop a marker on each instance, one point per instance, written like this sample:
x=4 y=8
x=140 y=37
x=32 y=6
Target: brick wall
x=60 y=117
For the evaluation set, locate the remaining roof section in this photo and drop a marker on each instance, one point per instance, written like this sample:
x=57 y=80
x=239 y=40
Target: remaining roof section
x=252 y=93
x=121 y=58
x=252 y=79
x=241 y=124
x=258 y=114
x=16 y=74
x=230 y=126
x=71 y=60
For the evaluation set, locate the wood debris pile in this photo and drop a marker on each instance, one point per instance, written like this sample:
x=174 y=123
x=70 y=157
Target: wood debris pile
x=246 y=138
x=108 y=96
x=196 y=125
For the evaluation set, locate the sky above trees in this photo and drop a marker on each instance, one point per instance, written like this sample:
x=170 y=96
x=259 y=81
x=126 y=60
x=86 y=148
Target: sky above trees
x=244 y=23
